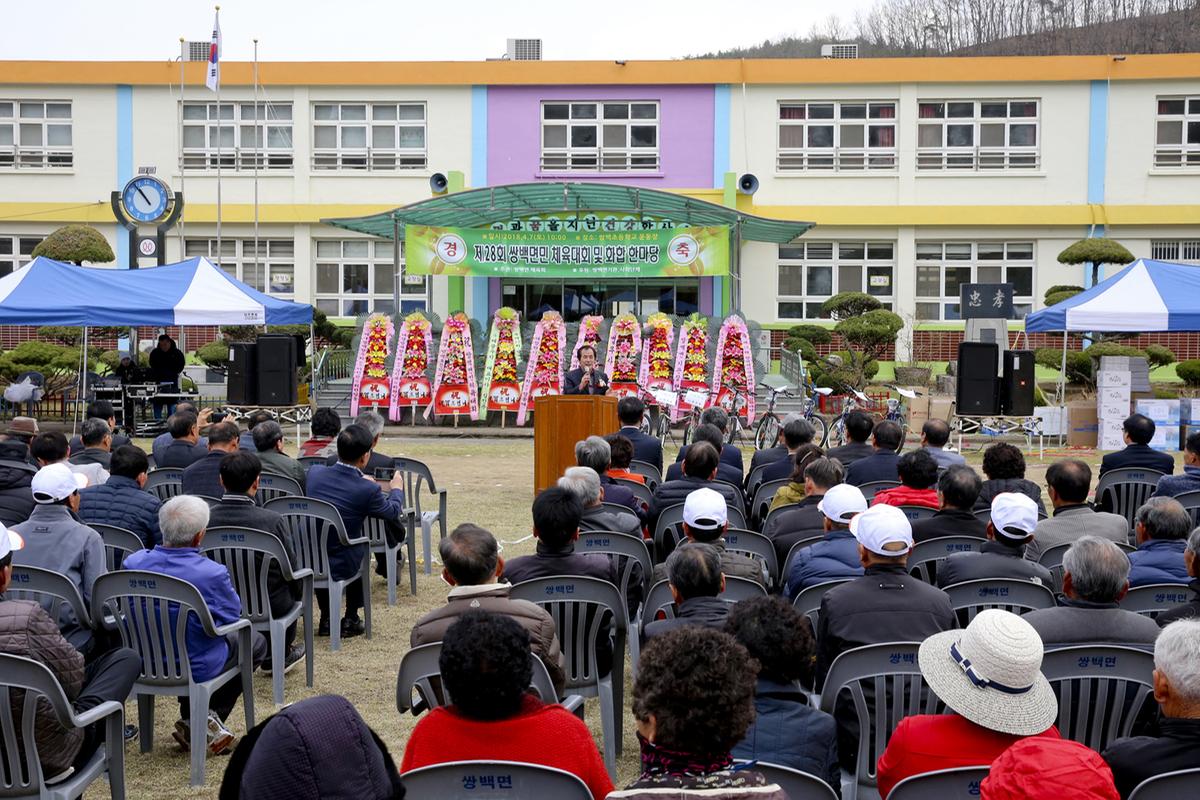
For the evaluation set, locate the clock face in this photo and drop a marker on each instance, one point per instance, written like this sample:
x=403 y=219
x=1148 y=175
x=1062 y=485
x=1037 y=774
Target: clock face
x=145 y=199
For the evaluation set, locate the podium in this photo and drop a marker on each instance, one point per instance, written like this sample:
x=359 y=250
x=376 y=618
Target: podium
x=559 y=421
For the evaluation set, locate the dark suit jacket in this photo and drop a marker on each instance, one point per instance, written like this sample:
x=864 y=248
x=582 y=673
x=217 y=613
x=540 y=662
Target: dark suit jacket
x=1138 y=455
x=767 y=456
x=239 y=511
x=645 y=448
x=76 y=443
x=93 y=455
x=377 y=460
x=729 y=455
x=879 y=466
x=343 y=486
x=849 y=453
x=948 y=522
x=599 y=385
x=724 y=473
x=780 y=468
x=181 y=454
x=204 y=476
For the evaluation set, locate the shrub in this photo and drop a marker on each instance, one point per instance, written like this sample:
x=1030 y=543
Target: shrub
x=1159 y=356
x=1063 y=287
x=215 y=354
x=846 y=305
x=1054 y=298
x=75 y=244
x=1101 y=349
x=817 y=334
x=1189 y=371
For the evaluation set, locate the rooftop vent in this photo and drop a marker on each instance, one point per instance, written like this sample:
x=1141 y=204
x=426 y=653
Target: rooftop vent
x=525 y=49
x=839 y=51
x=198 y=51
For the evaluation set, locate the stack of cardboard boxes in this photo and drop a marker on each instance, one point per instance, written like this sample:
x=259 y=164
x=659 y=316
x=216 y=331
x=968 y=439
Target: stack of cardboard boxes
x=1112 y=407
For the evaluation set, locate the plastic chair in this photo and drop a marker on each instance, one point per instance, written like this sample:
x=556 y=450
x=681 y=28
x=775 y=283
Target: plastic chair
x=915 y=513
x=1156 y=597
x=1102 y=691
x=310 y=522
x=582 y=608
x=755 y=479
x=164 y=483
x=668 y=530
x=776 y=512
x=870 y=488
x=763 y=495
x=54 y=591
x=740 y=505
x=808 y=600
x=503 y=780
x=649 y=471
x=659 y=599
x=1168 y=786
x=21 y=772
x=791 y=555
x=757 y=546
x=640 y=491
x=271 y=486
x=1191 y=504
x=970 y=597
x=935 y=550
x=416 y=476
x=630 y=551
x=895 y=689
x=984 y=515
x=248 y=555
x=375 y=529
x=797 y=785
x=1123 y=491
x=311 y=461
x=150 y=611
x=118 y=543
x=960 y=783
x=1051 y=558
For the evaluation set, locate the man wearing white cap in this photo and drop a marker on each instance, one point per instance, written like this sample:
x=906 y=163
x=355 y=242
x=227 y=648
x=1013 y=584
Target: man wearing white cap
x=1014 y=518
x=705 y=519
x=836 y=556
x=56 y=540
x=990 y=676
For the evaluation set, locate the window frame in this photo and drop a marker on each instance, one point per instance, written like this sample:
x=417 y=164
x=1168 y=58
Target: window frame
x=626 y=159
x=17 y=244
x=836 y=263
x=1187 y=153
x=16 y=156
x=241 y=256
x=413 y=291
x=977 y=158
x=240 y=156
x=836 y=158
x=1181 y=251
x=1023 y=304
x=368 y=158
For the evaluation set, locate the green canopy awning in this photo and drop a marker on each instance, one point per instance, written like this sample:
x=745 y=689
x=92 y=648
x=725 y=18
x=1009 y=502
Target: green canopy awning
x=480 y=208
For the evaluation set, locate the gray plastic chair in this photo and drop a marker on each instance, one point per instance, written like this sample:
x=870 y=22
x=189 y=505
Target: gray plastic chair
x=660 y=600
x=308 y=462
x=419 y=479
x=739 y=500
x=960 y=783
x=915 y=513
x=763 y=495
x=1102 y=691
x=150 y=611
x=164 y=483
x=21 y=774
x=796 y=784
x=971 y=597
x=629 y=551
x=271 y=486
x=1051 y=558
x=754 y=479
x=640 y=490
x=614 y=508
x=871 y=487
x=1155 y=598
x=1168 y=786
x=1191 y=504
x=896 y=690
x=503 y=780
x=375 y=529
x=53 y=590
x=808 y=600
x=923 y=559
x=668 y=530
x=582 y=608
x=118 y=543
x=1123 y=491
x=311 y=522
x=757 y=546
x=647 y=470
x=775 y=512
x=248 y=554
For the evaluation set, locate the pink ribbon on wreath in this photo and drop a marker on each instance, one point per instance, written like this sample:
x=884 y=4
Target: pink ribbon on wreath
x=624 y=327
x=550 y=322
x=370 y=327
x=457 y=328
x=589 y=333
x=644 y=370
x=685 y=338
x=735 y=325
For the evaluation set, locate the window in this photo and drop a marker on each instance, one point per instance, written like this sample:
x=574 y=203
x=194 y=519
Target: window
x=981 y=135
x=16 y=252
x=356 y=276
x=610 y=136
x=1186 y=250
x=245 y=136
x=943 y=266
x=35 y=134
x=369 y=136
x=1177 y=136
x=837 y=136
x=273 y=271
x=812 y=272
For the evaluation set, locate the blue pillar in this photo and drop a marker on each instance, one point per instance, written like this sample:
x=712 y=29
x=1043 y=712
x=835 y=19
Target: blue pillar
x=124 y=162
x=1097 y=159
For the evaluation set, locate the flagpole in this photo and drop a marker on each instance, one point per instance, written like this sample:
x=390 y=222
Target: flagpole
x=179 y=131
x=220 y=119
x=260 y=144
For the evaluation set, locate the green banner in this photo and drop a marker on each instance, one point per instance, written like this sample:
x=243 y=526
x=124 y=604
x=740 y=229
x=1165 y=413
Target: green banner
x=673 y=253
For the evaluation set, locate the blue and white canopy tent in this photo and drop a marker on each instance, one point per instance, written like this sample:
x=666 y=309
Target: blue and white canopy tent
x=1147 y=295
x=191 y=292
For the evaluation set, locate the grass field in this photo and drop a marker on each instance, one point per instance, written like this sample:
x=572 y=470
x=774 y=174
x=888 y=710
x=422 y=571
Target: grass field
x=489 y=482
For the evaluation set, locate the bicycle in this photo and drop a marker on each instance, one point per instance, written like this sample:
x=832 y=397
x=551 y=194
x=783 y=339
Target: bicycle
x=766 y=430
x=693 y=417
x=656 y=420
x=837 y=428
x=897 y=409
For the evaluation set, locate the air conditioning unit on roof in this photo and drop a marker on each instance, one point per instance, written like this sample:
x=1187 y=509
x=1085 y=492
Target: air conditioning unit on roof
x=839 y=51
x=525 y=49
x=198 y=51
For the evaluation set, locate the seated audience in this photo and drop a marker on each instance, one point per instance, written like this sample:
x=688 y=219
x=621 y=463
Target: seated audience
x=694 y=575
x=836 y=556
x=584 y=484
x=356 y=497
x=1041 y=768
x=1177 y=690
x=317 y=747
x=786 y=730
x=486 y=667
x=1068 y=482
x=1162 y=526
x=1189 y=481
x=1095 y=577
x=268 y=443
x=796 y=433
x=102 y=410
x=323 y=431
x=183 y=521
x=1138 y=431
x=121 y=501
x=203 y=477
x=373 y=422
x=699 y=472
x=990 y=677
x=725 y=471
x=957 y=489
x=246 y=437
x=1014 y=519
x=805 y=521
x=27 y=630
x=882 y=464
x=693 y=701
x=730 y=454
x=16 y=501
x=50 y=447
x=239 y=482
x=1004 y=466
x=769 y=455
x=918 y=478
x=935 y=434
x=1190 y=609
x=164 y=439
x=645 y=447
x=56 y=540
x=594 y=454
x=22 y=429
x=186 y=446
x=792 y=492
x=97 y=441
x=620 y=457
x=859 y=425
x=472 y=566
x=705 y=520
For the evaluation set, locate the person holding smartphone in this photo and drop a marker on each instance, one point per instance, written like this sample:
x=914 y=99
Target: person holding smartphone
x=587 y=378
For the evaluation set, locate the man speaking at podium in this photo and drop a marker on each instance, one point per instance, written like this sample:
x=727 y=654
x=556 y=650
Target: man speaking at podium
x=587 y=378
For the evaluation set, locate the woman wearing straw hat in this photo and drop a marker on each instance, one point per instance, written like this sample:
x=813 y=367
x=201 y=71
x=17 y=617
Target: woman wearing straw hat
x=990 y=675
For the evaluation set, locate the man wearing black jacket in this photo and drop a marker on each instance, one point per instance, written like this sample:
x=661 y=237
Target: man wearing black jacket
x=16 y=473
x=1138 y=431
x=587 y=378
x=645 y=448
x=958 y=488
x=166 y=362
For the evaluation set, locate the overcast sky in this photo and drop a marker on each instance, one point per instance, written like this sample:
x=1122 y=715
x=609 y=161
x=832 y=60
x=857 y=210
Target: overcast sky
x=401 y=30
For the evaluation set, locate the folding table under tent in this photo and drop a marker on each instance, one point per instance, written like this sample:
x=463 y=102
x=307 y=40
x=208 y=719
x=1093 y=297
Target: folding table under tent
x=191 y=292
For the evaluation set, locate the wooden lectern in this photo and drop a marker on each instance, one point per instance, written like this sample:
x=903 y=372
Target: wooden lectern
x=559 y=421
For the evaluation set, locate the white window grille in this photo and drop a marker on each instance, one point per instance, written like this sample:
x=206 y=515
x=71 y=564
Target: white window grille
x=1177 y=132
x=943 y=266
x=243 y=142
x=357 y=276
x=373 y=137
x=812 y=272
x=16 y=252
x=36 y=134
x=837 y=136
x=978 y=135
x=607 y=136
x=272 y=272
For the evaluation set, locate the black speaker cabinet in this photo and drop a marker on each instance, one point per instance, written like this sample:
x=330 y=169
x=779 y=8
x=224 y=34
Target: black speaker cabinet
x=277 y=370
x=978 y=386
x=1016 y=389
x=242 y=386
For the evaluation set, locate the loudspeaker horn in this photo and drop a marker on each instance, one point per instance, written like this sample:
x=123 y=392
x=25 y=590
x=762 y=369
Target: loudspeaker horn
x=748 y=183
x=438 y=183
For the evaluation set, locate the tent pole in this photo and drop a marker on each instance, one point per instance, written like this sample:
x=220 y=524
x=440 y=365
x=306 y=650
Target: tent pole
x=82 y=384
x=312 y=340
x=1062 y=375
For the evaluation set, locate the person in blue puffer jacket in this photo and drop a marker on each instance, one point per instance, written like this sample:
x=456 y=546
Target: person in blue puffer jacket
x=121 y=501
x=836 y=556
x=1162 y=526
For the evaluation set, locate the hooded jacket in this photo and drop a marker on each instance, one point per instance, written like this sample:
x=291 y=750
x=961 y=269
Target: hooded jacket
x=16 y=498
x=1044 y=768
x=832 y=559
x=1158 y=561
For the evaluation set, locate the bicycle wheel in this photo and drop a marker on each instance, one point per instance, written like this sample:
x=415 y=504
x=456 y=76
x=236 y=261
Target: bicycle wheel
x=688 y=430
x=645 y=427
x=766 y=432
x=663 y=428
x=820 y=429
x=837 y=433
x=902 y=421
